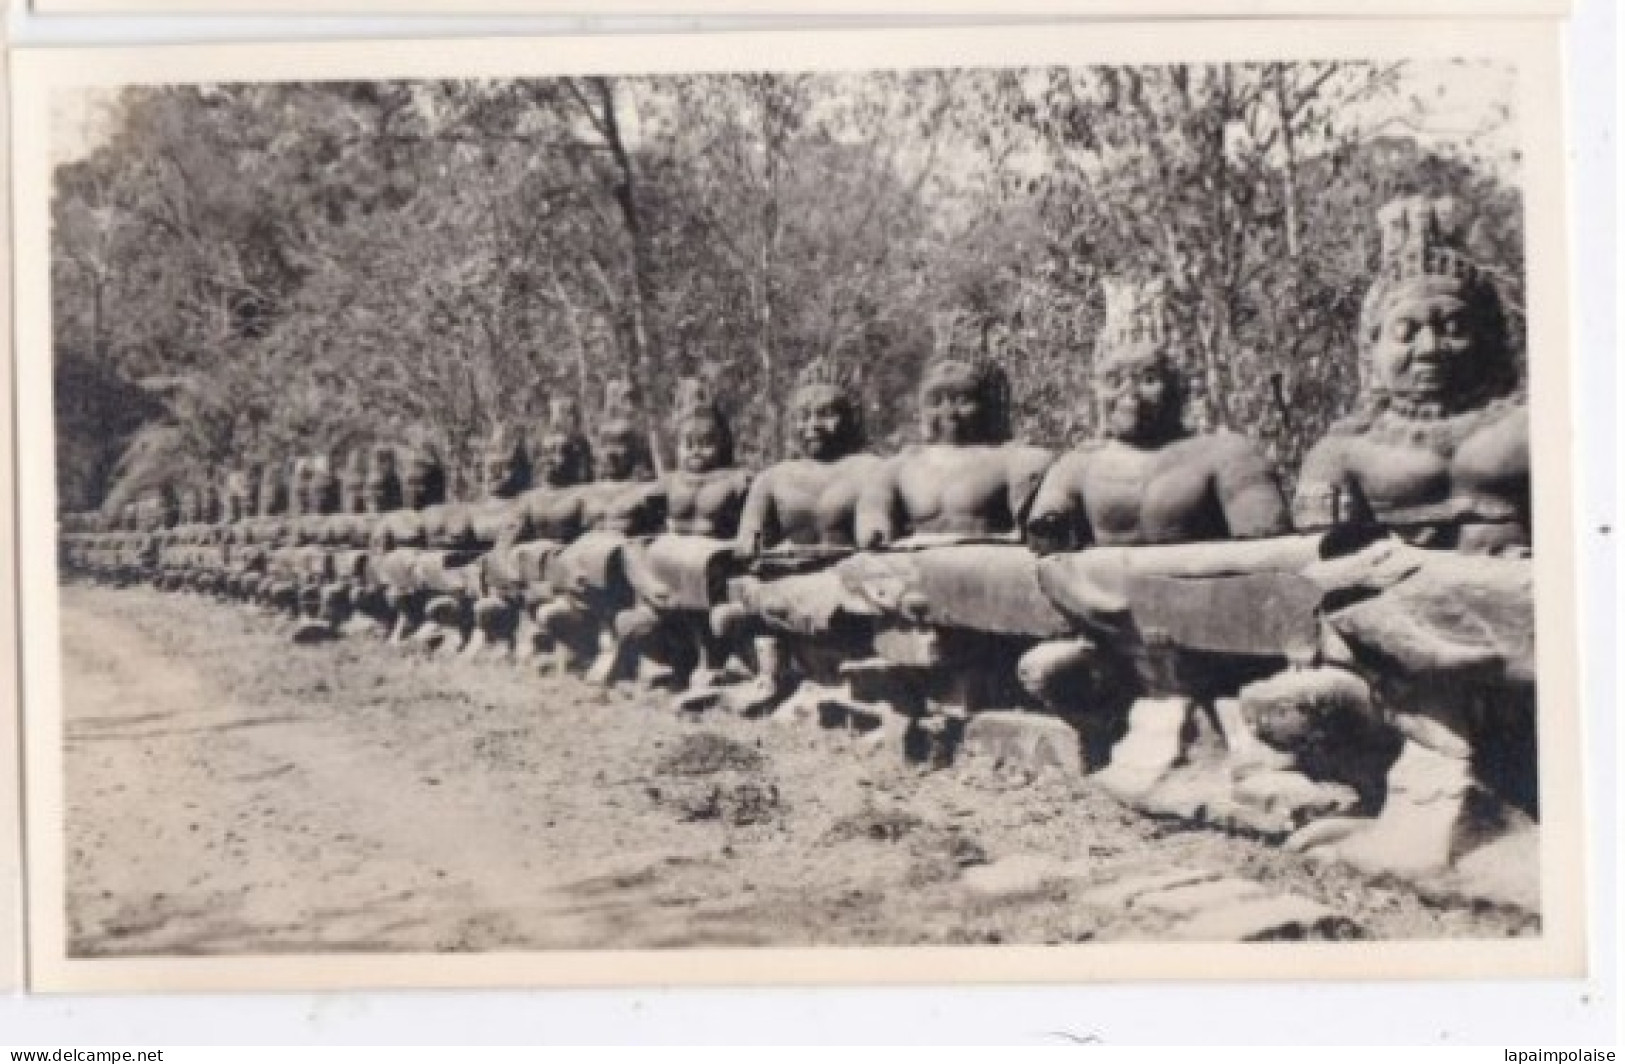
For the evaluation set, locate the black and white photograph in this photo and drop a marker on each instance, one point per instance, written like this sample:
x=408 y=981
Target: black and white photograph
x=1043 y=496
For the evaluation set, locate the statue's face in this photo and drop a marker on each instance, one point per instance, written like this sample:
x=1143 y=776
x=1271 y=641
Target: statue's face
x=501 y=472
x=416 y=489
x=553 y=455
x=617 y=455
x=953 y=407
x=1426 y=345
x=382 y=493
x=822 y=422
x=1136 y=393
x=699 y=446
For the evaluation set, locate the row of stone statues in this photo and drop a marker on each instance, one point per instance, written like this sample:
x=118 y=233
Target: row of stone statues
x=1352 y=673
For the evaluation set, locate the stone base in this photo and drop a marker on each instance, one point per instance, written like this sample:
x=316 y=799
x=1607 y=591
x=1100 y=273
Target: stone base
x=1436 y=819
x=1030 y=741
x=1159 y=732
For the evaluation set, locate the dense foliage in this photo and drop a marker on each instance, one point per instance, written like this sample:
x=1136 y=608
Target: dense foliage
x=249 y=271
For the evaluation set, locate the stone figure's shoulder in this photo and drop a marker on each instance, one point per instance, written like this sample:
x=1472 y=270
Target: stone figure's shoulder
x=1224 y=447
x=1027 y=462
x=859 y=464
x=1500 y=443
x=738 y=481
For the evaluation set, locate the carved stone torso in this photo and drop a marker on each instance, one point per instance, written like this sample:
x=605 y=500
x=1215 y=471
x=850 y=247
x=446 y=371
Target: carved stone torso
x=397 y=530
x=1192 y=489
x=953 y=488
x=550 y=513
x=471 y=525
x=1458 y=482
x=706 y=504
x=630 y=507
x=808 y=502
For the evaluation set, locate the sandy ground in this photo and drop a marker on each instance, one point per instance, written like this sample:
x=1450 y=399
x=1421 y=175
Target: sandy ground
x=229 y=792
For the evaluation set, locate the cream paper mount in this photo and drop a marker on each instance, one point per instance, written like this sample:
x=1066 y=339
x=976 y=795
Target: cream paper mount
x=44 y=77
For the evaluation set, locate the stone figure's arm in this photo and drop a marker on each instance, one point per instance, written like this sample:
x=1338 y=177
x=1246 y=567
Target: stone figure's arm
x=1248 y=491
x=644 y=509
x=1023 y=476
x=759 y=520
x=726 y=519
x=879 y=519
x=1327 y=492
x=1058 y=520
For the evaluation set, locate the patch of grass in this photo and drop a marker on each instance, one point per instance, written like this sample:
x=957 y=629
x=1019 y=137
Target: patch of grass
x=708 y=753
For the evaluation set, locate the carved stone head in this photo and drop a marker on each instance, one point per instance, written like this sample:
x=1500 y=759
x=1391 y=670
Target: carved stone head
x=321 y=487
x=353 y=483
x=621 y=451
x=1139 y=387
x=210 y=507
x=425 y=482
x=272 y=498
x=1433 y=333
x=965 y=394
x=383 y=481
x=564 y=455
x=826 y=419
x=703 y=436
x=505 y=466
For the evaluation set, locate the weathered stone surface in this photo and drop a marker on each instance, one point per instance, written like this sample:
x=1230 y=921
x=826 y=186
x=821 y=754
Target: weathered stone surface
x=1152 y=749
x=1450 y=613
x=593 y=561
x=1031 y=741
x=909 y=645
x=1287 y=917
x=981 y=587
x=683 y=572
x=309 y=632
x=1255 y=614
x=803 y=604
x=1125 y=891
x=1290 y=799
x=1009 y=877
x=1193 y=899
x=1435 y=813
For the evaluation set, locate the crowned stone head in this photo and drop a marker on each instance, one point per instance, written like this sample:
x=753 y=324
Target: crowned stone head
x=965 y=392
x=1433 y=333
x=703 y=436
x=1140 y=388
x=826 y=417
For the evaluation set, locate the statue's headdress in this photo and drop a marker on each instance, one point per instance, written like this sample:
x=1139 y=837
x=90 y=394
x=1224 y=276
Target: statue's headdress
x=1137 y=319
x=968 y=347
x=620 y=419
x=1424 y=245
x=696 y=401
x=619 y=413
x=564 y=424
x=1139 y=325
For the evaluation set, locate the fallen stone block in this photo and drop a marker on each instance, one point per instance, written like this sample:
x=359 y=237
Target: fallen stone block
x=1028 y=740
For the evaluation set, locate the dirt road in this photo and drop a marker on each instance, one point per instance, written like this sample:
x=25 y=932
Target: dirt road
x=229 y=792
